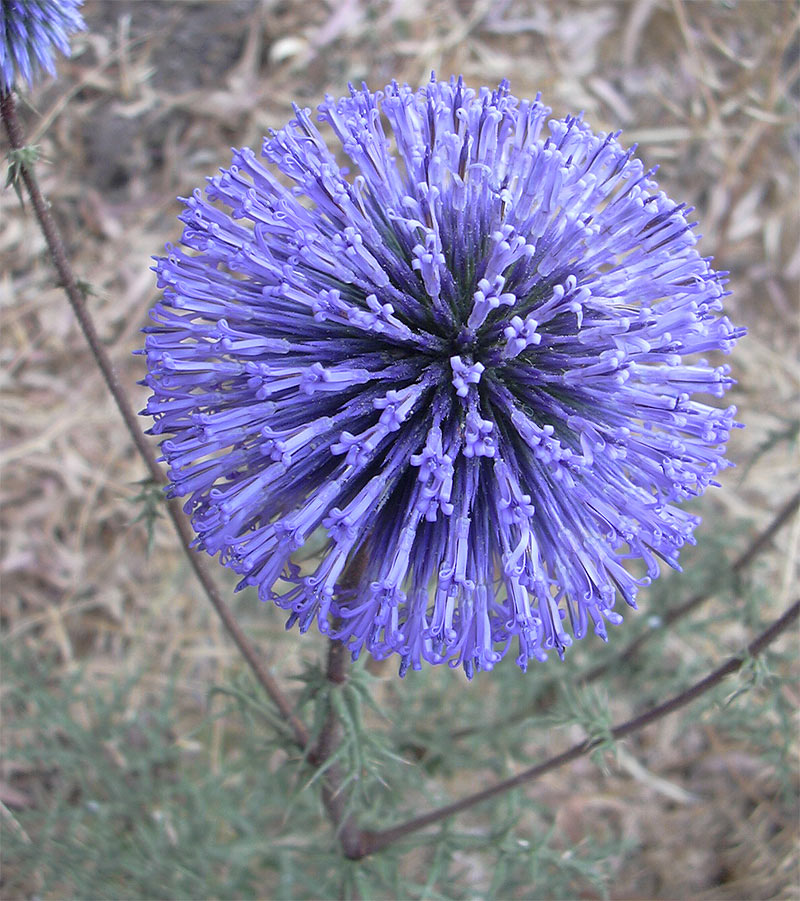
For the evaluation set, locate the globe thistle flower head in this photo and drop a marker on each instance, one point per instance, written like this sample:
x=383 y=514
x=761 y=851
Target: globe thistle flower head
x=29 y=31
x=467 y=366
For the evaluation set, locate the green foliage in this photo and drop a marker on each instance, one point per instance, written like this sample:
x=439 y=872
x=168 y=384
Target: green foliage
x=125 y=805
x=565 y=871
x=587 y=707
x=18 y=160
x=150 y=500
x=757 y=711
x=363 y=753
x=87 y=290
x=788 y=432
x=126 y=800
x=117 y=809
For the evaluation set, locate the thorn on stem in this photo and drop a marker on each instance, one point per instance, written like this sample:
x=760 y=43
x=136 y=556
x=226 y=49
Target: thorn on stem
x=20 y=159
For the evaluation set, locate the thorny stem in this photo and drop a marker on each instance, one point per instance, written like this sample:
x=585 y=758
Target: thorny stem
x=76 y=299
x=376 y=841
x=334 y=797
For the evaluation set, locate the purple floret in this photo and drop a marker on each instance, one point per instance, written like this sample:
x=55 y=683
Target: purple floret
x=469 y=361
x=29 y=31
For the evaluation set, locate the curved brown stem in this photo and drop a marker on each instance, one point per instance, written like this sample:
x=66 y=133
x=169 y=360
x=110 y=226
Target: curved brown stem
x=334 y=797
x=58 y=253
x=376 y=841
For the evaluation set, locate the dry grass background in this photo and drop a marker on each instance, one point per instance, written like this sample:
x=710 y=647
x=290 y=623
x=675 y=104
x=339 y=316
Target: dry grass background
x=155 y=95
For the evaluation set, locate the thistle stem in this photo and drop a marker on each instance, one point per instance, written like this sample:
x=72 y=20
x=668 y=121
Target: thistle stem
x=376 y=841
x=58 y=253
x=334 y=797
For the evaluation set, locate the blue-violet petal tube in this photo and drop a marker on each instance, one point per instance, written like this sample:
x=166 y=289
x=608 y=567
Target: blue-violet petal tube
x=469 y=359
x=29 y=32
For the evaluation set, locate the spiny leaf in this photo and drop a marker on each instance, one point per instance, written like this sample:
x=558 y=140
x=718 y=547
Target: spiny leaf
x=20 y=159
x=151 y=499
x=85 y=287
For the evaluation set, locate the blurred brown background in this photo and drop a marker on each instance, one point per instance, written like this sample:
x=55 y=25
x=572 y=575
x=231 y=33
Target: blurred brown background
x=153 y=98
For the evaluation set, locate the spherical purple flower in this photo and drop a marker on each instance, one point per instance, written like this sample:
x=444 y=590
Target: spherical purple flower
x=29 y=30
x=465 y=366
